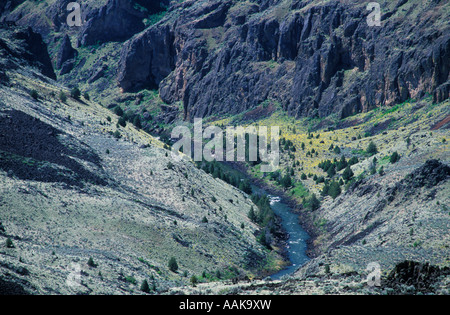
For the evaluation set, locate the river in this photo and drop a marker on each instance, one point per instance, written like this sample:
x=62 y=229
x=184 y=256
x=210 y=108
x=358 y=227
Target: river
x=296 y=243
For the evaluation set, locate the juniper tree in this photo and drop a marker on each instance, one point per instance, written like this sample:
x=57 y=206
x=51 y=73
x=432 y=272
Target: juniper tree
x=372 y=148
x=173 y=265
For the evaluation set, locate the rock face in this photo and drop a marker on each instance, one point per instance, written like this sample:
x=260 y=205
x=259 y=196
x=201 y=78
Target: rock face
x=118 y=20
x=35 y=51
x=147 y=60
x=66 y=52
x=313 y=58
x=411 y=273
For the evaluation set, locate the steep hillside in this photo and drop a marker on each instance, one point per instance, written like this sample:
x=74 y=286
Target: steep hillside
x=87 y=179
x=76 y=185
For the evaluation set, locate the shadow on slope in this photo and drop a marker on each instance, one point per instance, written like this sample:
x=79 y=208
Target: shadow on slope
x=33 y=150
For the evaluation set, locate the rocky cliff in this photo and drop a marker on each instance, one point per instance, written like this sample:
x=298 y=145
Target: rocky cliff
x=314 y=58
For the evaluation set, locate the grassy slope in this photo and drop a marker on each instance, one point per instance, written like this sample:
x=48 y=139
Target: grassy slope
x=131 y=227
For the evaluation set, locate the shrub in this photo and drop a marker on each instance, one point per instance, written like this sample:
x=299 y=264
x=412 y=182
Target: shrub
x=395 y=157
x=34 y=94
x=145 y=287
x=252 y=215
x=122 y=122
x=86 y=96
x=91 y=263
x=75 y=93
x=312 y=203
x=372 y=148
x=335 y=189
x=118 y=111
x=286 y=181
x=353 y=161
x=262 y=239
x=131 y=279
x=205 y=220
x=347 y=174
x=137 y=122
x=173 y=265
x=62 y=96
x=117 y=134
x=194 y=281
x=337 y=150
x=9 y=243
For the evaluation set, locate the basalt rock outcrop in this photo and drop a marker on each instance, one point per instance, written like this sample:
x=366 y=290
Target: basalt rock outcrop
x=102 y=21
x=313 y=58
x=65 y=53
x=118 y=20
x=24 y=46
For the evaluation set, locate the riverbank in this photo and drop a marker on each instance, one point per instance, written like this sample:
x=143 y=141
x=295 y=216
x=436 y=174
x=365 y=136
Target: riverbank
x=304 y=220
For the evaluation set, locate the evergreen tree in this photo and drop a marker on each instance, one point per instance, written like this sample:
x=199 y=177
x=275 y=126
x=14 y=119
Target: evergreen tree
x=252 y=215
x=62 y=96
x=122 y=121
x=394 y=157
x=335 y=189
x=347 y=174
x=337 y=150
x=262 y=239
x=312 y=203
x=245 y=187
x=331 y=171
x=341 y=164
x=91 y=263
x=173 y=265
x=286 y=181
x=145 y=287
x=194 y=281
x=34 y=94
x=9 y=243
x=353 y=161
x=372 y=148
x=325 y=189
x=118 y=111
x=75 y=93
x=137 y=122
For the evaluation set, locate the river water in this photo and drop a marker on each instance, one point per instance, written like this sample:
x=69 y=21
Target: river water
x=296 y=243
